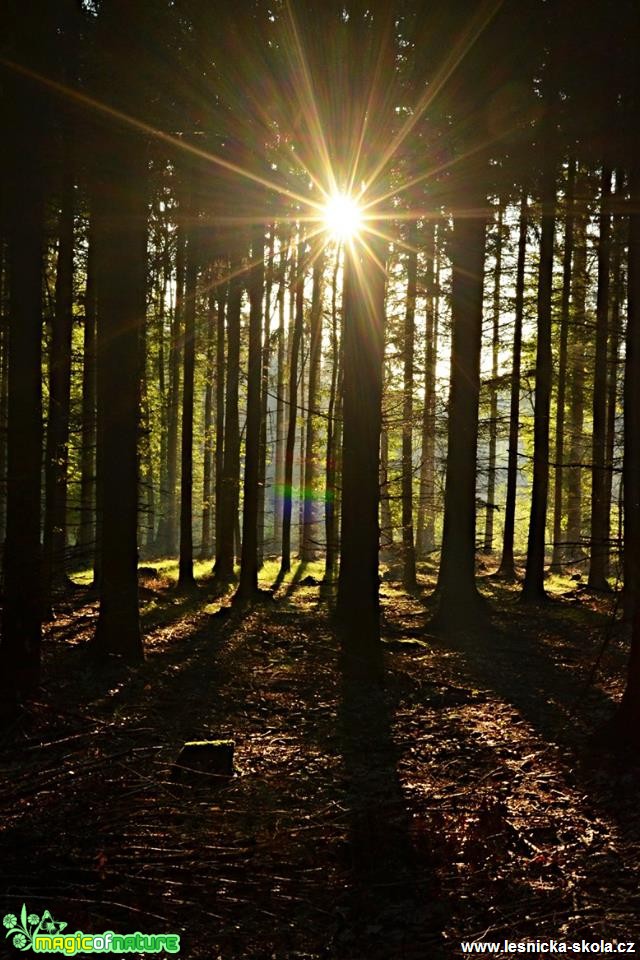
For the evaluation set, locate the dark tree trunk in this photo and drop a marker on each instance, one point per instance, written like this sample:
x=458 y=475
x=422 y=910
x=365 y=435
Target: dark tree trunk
x=296 y=339
x=121 y=237
x=308 y=492
x=333 y=428
x=507 y=564
x=264 y=400
x=86 y=533
x=230 y=479
x=617 y=284
x=4 y=390
x=174 y=396
x=221 y=303
x=386 y=520
x=533 y=590
x=599 y=533
x=207 y=445
x=363 y=325
x=22 y=608
x=576 y=370
x=278 y=496
x=408 y=546
x=558 y=546
x=425 y=537
x=459 y=602
x=185 y=575
x=248 y=585
x=629 y=711
x=57 y=443
x=493 y=393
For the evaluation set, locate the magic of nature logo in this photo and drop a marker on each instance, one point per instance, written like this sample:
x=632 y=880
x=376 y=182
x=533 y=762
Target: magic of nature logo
x=43 y=934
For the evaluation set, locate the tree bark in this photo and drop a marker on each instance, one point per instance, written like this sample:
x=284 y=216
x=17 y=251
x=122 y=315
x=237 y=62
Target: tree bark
x=248 y=585
x=308 y=492
x=559 y=548
x=408 y=546
x=507 y=568
x=425 y=538
x=186 y=578
x=491 y=505
x=533 y=589
x=599 y=534
x=459 y=602
x=363 y=323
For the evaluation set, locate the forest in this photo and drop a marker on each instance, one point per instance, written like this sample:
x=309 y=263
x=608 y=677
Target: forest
x=319 y=478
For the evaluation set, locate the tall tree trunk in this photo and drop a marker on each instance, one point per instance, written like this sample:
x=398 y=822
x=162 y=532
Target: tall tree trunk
x=599 y=534
x=408 y=547
x=230 y=479
x=425 y=539
x=186 y=579
x=629 y=711
x=57 y=443
x=264 y=397
x=308 y=491
x=333 y=421
x=174 y=394
x=207 y=445
x=507 y=567
x=612 y=382
x=559 y=548
x=386 y=520
x=458 y=599
x=248 y=585
x=121 y=233
x=296 y=339
x=576 y=370
x=22 y=608
x=278 y=495
x=493 y=392
x=86 y=532
x=221 y=304
x=363 y=325
x=4 y=390
x=533 y=590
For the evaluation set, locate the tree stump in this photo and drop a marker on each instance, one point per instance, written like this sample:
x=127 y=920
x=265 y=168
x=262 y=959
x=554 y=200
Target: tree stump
x=200 y=759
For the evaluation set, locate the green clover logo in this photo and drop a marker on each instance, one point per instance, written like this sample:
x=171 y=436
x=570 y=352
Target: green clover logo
x=25 y=929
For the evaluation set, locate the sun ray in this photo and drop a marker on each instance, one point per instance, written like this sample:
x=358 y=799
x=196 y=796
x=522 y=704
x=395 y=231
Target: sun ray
x=156 y=133
x=464 y=45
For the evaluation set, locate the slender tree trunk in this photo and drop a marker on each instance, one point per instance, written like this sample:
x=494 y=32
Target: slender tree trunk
x=278 y=496
x=493 y=393
x=4 y=390
x=363 y=325
x=264 y=394
x=331 y=488
x=121 y=231
x=57 y=443
x=386 y=520
x=86 y=533
x=207 y=446
x=533 y=590
x=426 y=510
x=221 y=303
x=308 y=492
x=599 y=534
x=507 y=568
x=186 y=579
x=617 y=285
x=174 y=394
x=576 y=370
x=559 y=548
x=408 y=547
x=248 y=585
x=296 y=339
x=230 y=479
x=458 y=599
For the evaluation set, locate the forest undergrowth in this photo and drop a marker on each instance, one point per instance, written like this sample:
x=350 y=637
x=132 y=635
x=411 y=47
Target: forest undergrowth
x=463 y=797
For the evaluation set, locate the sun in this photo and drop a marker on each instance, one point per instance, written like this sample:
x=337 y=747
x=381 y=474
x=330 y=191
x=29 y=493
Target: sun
x=342 y=216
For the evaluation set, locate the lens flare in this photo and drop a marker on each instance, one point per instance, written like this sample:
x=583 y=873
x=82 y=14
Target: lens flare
x=342 y=216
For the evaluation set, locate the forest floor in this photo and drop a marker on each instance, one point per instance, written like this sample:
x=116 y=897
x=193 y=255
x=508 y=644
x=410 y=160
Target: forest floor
x=464 y=799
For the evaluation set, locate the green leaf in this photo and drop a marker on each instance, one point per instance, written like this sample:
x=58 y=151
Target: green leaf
x=23 y=916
